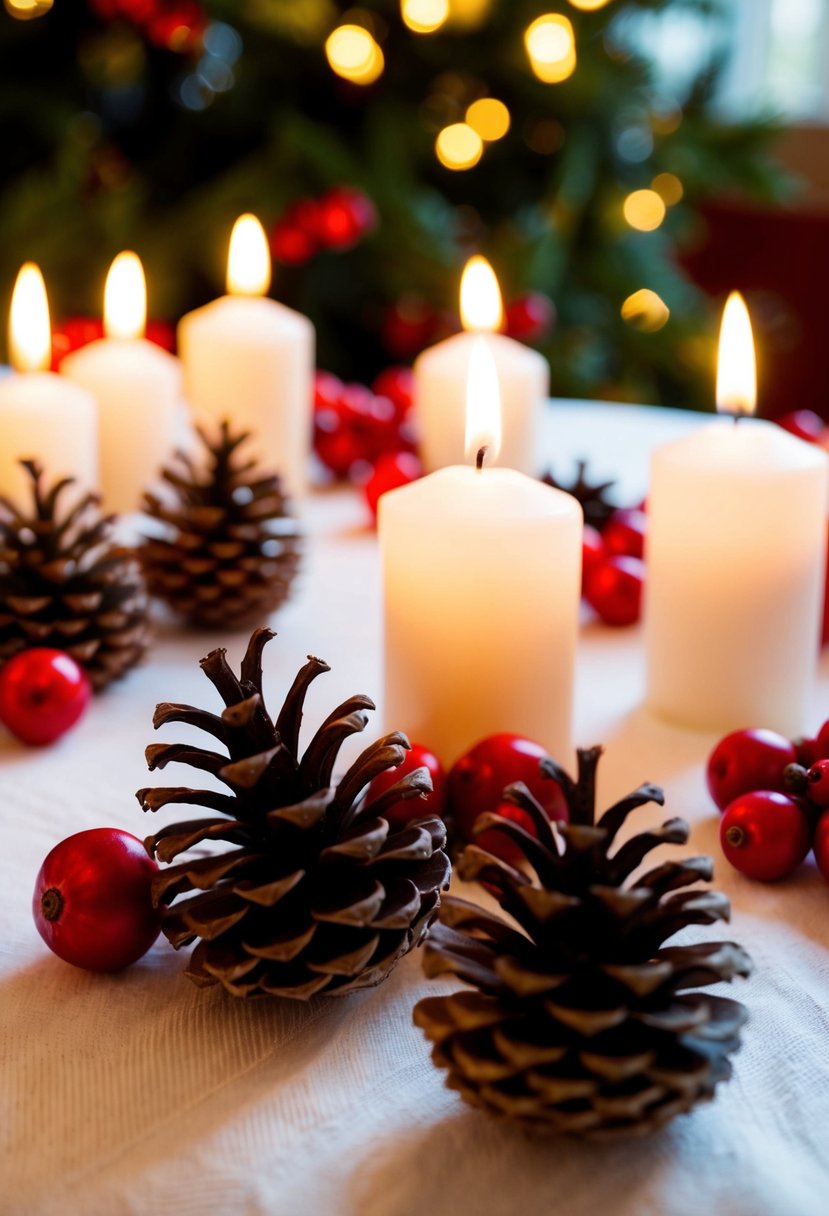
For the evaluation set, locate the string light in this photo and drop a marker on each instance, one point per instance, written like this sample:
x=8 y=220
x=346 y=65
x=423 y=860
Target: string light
x=489 y=117
x=668 y=187
x=424 y=16
x=458 y=146
x=551 y=47
x=589 y=6
x=645 y=310
x=354 y=55
x=644 y=210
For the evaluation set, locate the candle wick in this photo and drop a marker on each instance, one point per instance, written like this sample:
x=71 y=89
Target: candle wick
x=481 y=457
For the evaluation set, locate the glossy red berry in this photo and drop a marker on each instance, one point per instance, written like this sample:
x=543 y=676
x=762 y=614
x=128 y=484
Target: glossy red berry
x=392 y=470
x=613 y=589
x=408 y=326
x=477 y=782
x=765 y=834
x=624 y=534
x=592 y=550
x=818 y=778
x=530 y=317
x=821 y=743
x=345 y=216
x=397 y=384
x=404 y=811
x=820 y=845
x=805 y=424
x=43 y=693
x=92 y=903
x=748 y=760
x=292 y=244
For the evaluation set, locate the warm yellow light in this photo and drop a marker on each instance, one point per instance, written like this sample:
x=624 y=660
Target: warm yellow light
x=483 y=403
x=668 y=187
x=551 y=47
x=353 y=54
x=589 y=6
x=489 y=117
x=249 y=259
x=424 y=16
x=736 y=360
x=482 y=308
x=458 y=146
x=125 y=298
x=25 y=9
x=30 y=333
x=644 y=210
x=645 y=310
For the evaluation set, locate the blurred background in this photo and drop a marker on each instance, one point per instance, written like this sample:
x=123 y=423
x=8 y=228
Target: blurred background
x=622 y=163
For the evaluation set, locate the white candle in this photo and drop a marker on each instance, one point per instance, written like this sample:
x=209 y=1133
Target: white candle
x=251 y=360
x=440 y=378
x=482 y=573
x=735 y=552
x=137 y=386
x=42 y=416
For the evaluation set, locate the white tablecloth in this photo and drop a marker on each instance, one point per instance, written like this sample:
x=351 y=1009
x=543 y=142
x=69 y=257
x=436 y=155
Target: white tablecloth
x=138 y=1093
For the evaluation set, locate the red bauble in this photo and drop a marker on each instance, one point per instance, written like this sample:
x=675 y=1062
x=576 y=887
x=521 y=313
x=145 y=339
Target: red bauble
x=765 y=835
x=530 y=317
x=613 y=589
x=477 y=782
x=403 y=812
x=397 y=384
x=625 y=532
x=392 y=470
x=748 y=760
x=818 y=791
x=820 y=845
x=92 y=903
x=805 y=424
x=42 y=693
x=345 y=216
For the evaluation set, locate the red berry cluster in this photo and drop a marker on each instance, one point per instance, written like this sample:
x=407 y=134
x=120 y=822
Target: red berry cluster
x=338 y=220
x=774 y=795
x=75 y=332
x=176 y=25
x=613 y=566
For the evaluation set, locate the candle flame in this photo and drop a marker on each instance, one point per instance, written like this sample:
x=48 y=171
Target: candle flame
x=736 y=361
x=249 y=259
x=483 y=403
x=30 y=332
x=125 y=298
x=481 y=305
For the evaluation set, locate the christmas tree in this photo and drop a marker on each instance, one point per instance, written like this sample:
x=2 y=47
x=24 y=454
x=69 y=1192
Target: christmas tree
x=538 y=133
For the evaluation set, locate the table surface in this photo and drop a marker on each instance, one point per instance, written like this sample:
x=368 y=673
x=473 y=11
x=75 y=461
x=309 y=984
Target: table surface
x=139 y=1093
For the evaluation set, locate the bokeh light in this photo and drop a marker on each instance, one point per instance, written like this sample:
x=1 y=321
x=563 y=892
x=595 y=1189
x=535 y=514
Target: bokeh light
x=354 y=55
x=489 y=117
x=424 y=16
x=589 y=6
x=24 y=10
x=668 y=187
x=551 y=47
x=644 y=210
x=458 y=146
x=645 y=310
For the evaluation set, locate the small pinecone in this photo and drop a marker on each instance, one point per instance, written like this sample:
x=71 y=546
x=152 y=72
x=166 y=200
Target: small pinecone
x=593 y=496
x=229 y=548
x=313 y=891
x=579 y=1019
x=63 y=583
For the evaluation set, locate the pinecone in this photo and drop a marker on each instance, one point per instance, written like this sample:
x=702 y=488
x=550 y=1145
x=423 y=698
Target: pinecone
x=229 y=548
x=580 y=1019
x=64 y=584
x=314 y=892
x=593 y=496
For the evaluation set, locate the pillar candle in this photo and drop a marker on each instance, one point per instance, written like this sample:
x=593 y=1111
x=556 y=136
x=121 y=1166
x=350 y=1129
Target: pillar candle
x=42 y=416
x=440 y=378
x=481 y=576
x=137 y=386
x=735 y=551
x=250 y=359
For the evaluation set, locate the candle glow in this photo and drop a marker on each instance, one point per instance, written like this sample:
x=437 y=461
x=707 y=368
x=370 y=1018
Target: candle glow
x=249 y=259
x=736 y=360
x=482 y=309
x=483 y=403
x=125 y=298
x=30 y=333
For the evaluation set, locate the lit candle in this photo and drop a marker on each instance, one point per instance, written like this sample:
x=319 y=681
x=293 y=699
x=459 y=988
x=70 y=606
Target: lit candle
x=251 y=360
x=482 y=572
x=42 y=416
x=441 y=377
x=736 y=551
x=137 y=386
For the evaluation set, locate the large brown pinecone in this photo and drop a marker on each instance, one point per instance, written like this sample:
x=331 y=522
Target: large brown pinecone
x=313 y=891
x=579 y=1018
x=228 y=548
x=64 y=584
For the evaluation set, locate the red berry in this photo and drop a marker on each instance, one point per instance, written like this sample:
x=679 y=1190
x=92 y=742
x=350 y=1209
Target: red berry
x=409 y=326
x=820 y=845
x=405 y=810
x=818 y=791
x=748 y=760
x=824 y=633
x=327 y=391
x=613 y=589
x=765 y=835
x=477 y=782
x=396 y=383
x=821 y=744
x=92 y=903
x=530 y=317
x=392 y=470
x=805 y=424
x=345 y=215
x=292 y=244
x=592 y=550
x=625 y=532
x=42 y=693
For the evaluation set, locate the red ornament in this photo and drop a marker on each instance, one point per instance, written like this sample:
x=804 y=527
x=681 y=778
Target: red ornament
x=392 y=470
x=765 y=835
x=477 y=782
x=820 y=845
x=613 y=589
x=748 y=760
x=530 y=317
x=805 y=424
x=403 y=812
x=396 y=383
x=345 y=216
x=92 y=903
x=42 y=693
x=625 y=532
